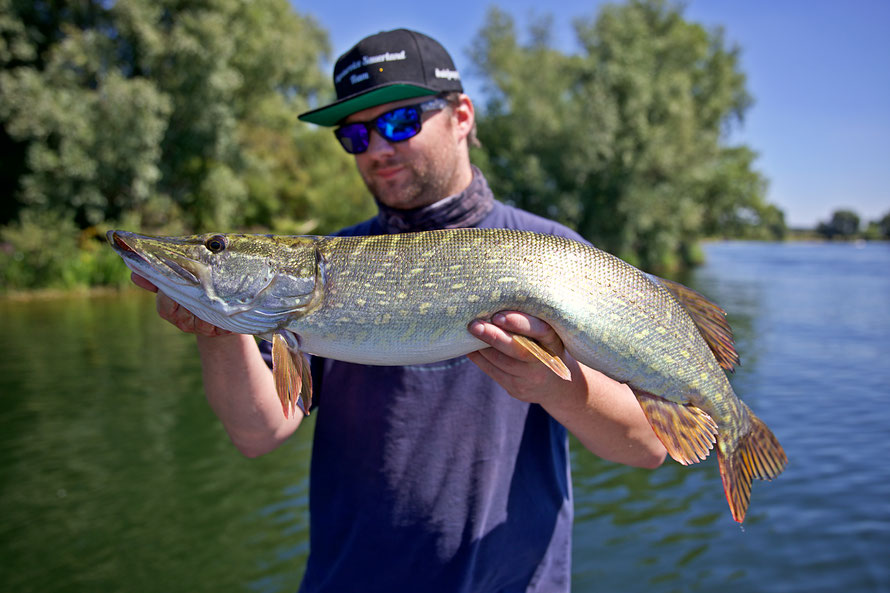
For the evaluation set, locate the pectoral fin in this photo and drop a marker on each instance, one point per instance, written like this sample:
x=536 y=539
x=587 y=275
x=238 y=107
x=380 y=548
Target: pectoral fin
x=553 y=362
x=687 y=432
x=293 y=380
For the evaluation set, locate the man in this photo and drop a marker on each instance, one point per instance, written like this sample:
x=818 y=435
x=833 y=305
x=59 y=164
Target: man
x=444 y=477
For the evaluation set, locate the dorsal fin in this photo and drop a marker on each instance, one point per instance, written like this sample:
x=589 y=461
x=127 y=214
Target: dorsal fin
x=710 y=321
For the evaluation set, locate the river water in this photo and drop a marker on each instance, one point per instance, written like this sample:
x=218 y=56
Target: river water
x=115 y=476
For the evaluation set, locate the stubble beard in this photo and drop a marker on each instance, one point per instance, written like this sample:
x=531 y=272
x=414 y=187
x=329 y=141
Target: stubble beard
x=420 y=184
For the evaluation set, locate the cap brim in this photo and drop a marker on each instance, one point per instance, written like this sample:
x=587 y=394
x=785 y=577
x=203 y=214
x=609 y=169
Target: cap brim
x=331 y=115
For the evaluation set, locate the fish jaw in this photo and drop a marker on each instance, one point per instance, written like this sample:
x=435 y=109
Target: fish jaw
x=236 y=290
x=180 y=279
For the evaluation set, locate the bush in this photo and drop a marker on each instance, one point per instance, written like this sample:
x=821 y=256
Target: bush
x=47 y=250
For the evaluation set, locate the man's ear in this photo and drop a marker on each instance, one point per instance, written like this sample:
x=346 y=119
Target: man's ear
x=464 y=116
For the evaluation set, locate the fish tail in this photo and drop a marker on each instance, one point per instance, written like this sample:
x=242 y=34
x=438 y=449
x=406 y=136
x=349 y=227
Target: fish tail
x=757 y=454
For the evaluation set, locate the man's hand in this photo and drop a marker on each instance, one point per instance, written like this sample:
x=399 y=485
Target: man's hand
x=177 y=314
x=512 y=366
x=603 y=414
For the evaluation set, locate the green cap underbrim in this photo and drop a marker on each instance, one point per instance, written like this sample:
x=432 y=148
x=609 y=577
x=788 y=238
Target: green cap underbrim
x=333 y=114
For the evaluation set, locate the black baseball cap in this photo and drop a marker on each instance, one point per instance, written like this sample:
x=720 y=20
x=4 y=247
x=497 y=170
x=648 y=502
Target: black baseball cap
x=388 y=66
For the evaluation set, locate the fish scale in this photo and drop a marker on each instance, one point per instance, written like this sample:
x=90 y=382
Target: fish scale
x=419 y=292
x=407 y=299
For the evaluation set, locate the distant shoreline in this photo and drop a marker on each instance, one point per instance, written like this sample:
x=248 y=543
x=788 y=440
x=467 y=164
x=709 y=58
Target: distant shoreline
x=47 y=294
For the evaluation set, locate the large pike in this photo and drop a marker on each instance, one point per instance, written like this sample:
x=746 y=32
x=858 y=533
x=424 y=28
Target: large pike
x=407 y=299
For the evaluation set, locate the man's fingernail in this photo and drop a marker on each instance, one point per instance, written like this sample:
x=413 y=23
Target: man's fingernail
x=499 y=318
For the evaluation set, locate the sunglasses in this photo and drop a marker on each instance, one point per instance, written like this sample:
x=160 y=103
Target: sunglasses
x=396 y=125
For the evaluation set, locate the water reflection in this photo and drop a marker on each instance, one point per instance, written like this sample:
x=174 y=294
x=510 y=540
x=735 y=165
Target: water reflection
x=116 y=476
x=656 y=525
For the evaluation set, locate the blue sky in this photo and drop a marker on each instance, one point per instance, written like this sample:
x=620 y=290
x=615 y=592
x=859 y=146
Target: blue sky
x=819 y=72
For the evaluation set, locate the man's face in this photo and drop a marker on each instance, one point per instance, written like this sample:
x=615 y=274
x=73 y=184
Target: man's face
x=418 y=171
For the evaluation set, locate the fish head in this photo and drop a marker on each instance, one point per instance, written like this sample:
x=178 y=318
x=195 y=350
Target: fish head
x=251 y=284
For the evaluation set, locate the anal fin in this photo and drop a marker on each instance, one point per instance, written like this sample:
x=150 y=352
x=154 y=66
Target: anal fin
x=551 y=360
x=293 y=380
x=687 y=432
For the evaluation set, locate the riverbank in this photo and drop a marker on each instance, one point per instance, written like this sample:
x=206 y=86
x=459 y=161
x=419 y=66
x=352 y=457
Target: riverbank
x=46 y=294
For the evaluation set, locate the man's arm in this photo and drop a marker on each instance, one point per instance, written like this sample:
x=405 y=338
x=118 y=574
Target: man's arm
x=603 y=414
x=237 y=382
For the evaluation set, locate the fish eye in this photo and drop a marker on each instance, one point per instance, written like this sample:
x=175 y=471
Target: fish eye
x=216 y=243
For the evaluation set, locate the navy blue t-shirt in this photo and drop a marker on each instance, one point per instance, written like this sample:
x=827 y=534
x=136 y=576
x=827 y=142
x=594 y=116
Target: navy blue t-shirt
x=431 y=478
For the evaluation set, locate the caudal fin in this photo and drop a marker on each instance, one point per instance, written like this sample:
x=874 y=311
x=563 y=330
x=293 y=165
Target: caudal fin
x=757 y=454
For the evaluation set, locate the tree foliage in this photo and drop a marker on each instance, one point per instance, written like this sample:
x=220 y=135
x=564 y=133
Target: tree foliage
x=170 y=116
x=882 y=227
x=180 y=115
x=625 y=139
x=844 y=224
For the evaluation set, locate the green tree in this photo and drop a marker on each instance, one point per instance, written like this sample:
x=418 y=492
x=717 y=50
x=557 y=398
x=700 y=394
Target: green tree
x=168 y=110
x=732 y=199
x=90 y=136
x=882 y=227
x=623 y=140
x=844 y=224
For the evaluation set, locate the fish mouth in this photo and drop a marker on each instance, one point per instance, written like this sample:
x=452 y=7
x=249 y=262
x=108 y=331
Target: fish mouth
x=118 y=240
x=115 y=239
x=125 y=250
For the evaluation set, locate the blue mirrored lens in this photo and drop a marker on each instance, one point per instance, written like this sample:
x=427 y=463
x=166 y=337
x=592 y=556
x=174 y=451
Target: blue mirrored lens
x=399 y=124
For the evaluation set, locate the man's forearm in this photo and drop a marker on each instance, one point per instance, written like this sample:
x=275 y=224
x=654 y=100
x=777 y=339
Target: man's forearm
x=603 y=414
x=605 y=417
x=241 y=391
